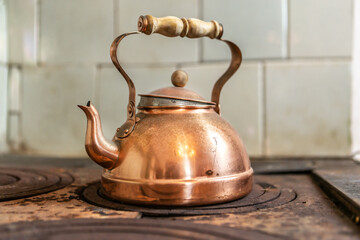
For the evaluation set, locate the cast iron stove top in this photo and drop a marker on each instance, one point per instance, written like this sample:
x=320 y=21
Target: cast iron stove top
x=291 y=199
x=263 y=195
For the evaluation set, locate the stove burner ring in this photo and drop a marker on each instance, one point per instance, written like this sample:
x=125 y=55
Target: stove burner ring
x=124 y=229
x=262 y=196
x=18 y=183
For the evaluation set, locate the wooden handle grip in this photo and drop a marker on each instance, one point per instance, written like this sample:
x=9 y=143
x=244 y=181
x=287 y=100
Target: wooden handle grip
x=173 y=27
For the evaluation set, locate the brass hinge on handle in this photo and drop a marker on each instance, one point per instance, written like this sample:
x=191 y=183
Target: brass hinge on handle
x=173 y=27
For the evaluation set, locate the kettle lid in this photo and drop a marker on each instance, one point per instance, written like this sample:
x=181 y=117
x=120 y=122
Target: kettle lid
x=176 y=96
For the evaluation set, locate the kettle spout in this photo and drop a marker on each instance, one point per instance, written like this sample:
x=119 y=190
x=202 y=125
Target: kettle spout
x=103 y=152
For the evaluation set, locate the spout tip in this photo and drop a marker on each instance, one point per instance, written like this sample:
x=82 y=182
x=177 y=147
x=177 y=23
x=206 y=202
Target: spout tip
x=82 y=107
x=88 y=104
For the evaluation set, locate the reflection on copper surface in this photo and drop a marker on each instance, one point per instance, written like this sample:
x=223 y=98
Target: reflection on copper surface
x=186 y=155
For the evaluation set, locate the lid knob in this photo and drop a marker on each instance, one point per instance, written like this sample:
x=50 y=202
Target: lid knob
x=179 y=78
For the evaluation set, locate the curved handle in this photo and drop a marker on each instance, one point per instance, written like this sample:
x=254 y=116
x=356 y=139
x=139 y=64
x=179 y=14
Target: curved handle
x=236 y=58
x=174 y=26
x=129 y=125
x=171 y=27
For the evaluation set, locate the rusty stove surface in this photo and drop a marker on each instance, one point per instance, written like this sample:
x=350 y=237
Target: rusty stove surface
x=292 y=199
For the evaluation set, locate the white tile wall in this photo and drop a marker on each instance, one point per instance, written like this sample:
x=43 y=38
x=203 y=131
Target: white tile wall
x=3 y=77
x=308 y=108
x=3 y=107
x=78 y=31
x=52 y=123
x=3 y=33
x=355 y=94
x=255 y=25
x=320 y=28
x=114 y=93
x=155 y=48
x=307 y=102
x=14 y=89
x=22 y=31
x=240 y=98
x=14 y=132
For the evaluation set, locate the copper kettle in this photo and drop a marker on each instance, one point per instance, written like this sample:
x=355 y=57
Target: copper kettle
x=176 y=150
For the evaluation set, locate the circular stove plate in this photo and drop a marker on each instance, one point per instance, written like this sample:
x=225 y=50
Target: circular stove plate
x=263 y=195
x=18 y=183
x=111 y=229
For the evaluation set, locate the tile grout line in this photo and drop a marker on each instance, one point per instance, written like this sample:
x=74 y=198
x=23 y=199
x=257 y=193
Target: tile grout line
x=263 y=110
x=201 y=40
x=37 y=32
x=18 y=143
x=288 y=39
x=162 y=64
x=285 y=49
x=7 y=110
x=115 y=17
x=20 y=115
